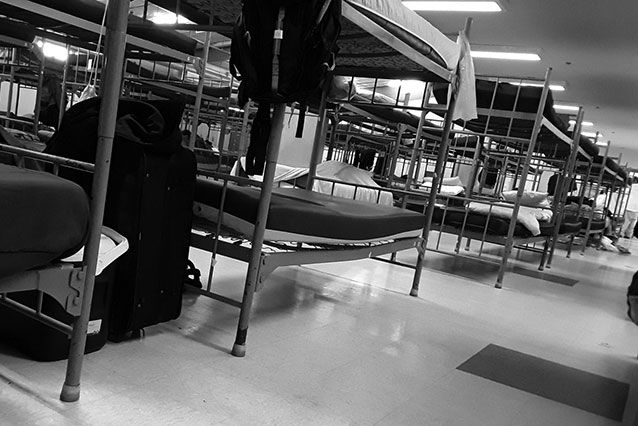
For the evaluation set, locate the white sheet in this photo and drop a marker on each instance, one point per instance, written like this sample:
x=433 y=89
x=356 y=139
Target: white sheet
x=449 y=190
x=350 y=174
x=529 y=217
x=337 y=171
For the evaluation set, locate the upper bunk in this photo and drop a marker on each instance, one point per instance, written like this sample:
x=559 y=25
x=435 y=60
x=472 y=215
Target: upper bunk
x=379 y=38
x=78 y=22
x=507 y=109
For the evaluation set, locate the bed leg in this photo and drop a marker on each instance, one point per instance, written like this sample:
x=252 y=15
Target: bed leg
x=239 y=347
x=418 y=269
x=467 y=244
x=546 y=248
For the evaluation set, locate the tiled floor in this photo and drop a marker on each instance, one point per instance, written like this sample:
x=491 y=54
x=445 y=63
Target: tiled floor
x=344 y=344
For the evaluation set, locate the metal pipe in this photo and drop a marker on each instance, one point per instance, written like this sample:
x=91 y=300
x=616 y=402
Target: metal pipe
x=560 y=197
x=116 y=22
x=436 y=179
x=317 y=146
x=200 y=90
x=252 y=276
x=521 y=187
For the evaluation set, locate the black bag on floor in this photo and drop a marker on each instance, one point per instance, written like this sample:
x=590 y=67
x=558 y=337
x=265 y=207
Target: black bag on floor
x=632 y=299
x=281 y=52
x=149 y=201
x=44 y=343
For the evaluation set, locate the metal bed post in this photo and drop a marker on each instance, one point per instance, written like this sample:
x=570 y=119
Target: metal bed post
x=567 y=179
x=239 y=348
x=509 y=242
x=599 y=183
x=63 y=94
x=416 y=147
x=317 y=146
x=38 y=97
x=476 y=160
x=200 y=89
x=436 y=179
x=116 y=24
x=395 y=153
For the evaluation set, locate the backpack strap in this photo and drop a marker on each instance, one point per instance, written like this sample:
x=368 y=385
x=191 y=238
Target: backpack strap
x=301 y=121
x=278 y=35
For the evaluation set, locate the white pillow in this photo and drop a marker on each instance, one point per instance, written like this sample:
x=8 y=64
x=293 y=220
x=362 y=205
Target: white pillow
x=452 y=181
x=529 y=198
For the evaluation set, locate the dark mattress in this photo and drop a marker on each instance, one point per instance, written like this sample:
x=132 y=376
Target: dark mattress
x=527 y=102
x=476 y=222
x=42 y=218
x=297 y=211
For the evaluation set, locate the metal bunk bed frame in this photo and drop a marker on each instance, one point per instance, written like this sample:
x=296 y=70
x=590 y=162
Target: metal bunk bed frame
x=258 y=253
x=73 y=286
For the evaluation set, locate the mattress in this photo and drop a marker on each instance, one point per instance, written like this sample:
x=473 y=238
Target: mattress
x=410 y=28
x=596 y=224
x=524 y=99
x=362 y=53
x=304 y=216
x=570 y=227
x=476 y=222
x=43 y=218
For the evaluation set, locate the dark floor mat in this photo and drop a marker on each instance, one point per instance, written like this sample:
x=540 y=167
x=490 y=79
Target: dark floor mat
x=570 y=386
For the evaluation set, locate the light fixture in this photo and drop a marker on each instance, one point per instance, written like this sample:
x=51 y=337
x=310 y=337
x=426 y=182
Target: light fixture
x=510 y=56
x=454 y=6
x=54 y=51
x=558 y=107
x=556 y=87
x=584 y=123
x=164 y=17
x=591 y=134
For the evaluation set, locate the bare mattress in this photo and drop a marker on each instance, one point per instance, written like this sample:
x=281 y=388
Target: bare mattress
x=302 y=216
x=42 y=218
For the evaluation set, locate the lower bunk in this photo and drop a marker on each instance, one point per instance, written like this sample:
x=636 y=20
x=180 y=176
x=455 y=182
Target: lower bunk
x=302 y=227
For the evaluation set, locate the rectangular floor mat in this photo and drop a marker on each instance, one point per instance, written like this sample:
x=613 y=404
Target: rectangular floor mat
x=545 y=276
x=570 y=386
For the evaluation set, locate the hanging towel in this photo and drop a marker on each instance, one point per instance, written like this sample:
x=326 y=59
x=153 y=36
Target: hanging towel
x=466 y=92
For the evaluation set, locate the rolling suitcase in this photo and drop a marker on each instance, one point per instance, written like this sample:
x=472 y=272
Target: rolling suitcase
x=153 y=208
x=149 y=201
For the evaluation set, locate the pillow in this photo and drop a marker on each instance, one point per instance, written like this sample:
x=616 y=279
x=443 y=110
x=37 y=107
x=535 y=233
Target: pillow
x=529 y=198
x=452 y=181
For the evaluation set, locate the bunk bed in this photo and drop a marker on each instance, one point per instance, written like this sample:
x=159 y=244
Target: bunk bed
x=398 y=43
x=39 y=265
x=517 y=133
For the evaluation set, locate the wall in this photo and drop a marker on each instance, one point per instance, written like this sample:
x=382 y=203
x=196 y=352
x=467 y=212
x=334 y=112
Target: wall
x=27 y=99
x=296 y=152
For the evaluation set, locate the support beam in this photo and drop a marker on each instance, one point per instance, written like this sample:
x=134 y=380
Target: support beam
x=116 y=22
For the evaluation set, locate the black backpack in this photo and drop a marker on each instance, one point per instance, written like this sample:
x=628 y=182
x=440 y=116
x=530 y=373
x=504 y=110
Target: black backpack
x=281 y=52
x=632 y=299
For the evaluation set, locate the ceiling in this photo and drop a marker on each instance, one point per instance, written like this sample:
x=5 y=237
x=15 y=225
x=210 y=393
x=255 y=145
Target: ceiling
x=591 y=45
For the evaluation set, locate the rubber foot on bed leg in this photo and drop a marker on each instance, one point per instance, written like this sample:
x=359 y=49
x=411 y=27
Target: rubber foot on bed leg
x=239 y=350
x=498 y=285
x=70 y=393
x=414 y=292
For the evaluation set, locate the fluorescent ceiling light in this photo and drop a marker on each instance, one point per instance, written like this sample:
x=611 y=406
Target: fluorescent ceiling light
x=453 y=6
x=584 y=123
x=591 y=134
x=554 y=87
x=565 y=108
x=54 y=51
x=167 y=18
x=511 y=56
